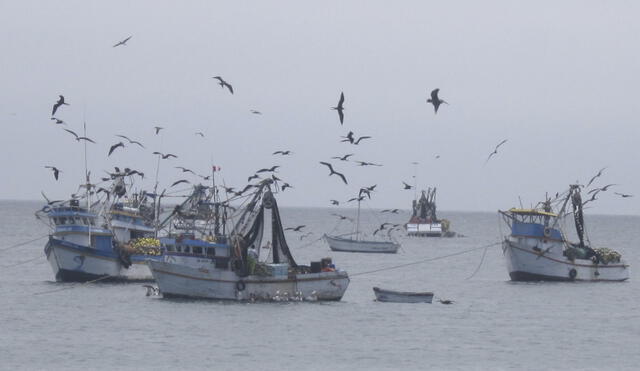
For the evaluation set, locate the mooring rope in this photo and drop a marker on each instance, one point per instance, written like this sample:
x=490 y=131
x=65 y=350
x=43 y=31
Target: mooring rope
x=479 y=264
x=22 y=262
x=426 y=260
x=23 y=243
x=72 y=286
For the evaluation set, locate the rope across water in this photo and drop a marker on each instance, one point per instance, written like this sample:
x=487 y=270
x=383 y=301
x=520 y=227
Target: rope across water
x=426 y=260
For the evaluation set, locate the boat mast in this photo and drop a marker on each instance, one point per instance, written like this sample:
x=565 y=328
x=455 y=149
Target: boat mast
x=358 y=220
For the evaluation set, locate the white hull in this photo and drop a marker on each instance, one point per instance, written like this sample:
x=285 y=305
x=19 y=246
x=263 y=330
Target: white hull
x=85 y=264
x=402 y=297
x=175 y=280
x=526 y=264
x=425 y=229
x=349 y=245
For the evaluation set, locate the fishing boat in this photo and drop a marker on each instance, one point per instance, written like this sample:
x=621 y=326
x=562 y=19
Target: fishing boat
x=424 y=221
x=354 y=242
x=106 y=240
x=537 y=248
x=391 y=296
x=227 y=266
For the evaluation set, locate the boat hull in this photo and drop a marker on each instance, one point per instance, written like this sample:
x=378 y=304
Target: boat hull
x=526 y=264
x=390 y=296
x=176 y=280
x=348 y=245
x=76 y=263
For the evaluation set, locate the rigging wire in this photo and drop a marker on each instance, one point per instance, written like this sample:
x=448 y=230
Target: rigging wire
x=72 y=286
x=23 y=243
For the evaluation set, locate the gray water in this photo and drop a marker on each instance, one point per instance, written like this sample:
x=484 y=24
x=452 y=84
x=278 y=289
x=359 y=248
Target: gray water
x=494 y=324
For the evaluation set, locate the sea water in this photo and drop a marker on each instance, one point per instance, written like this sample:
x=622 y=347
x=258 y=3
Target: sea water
x=493 y=324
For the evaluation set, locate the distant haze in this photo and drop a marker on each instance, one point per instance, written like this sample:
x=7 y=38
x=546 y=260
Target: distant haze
x=559 y=80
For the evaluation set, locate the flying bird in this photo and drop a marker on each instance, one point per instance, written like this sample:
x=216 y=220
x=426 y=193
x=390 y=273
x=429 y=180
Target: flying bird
x=284 y=153
x=256 y=112
x=130 y=141
x=348 y=137
x=340 y=108
x=393 y=211
x=113 y=147
x=123 y=42
x=334 y=172
x=342 y=217
x=72 y=133
x=595 y=176
x=58 y=121
x=158 y=128
x=495 y=151
x=55 y=170
x=254 y=176
x=359 y=198
x=435 y=100
x=364 y=163
x=295 y=229
x=603 y=189
x=223 y=83
x=59 y=103
x=164 y=157
x=406 y=186
x=178 y=182
x=271 y=169
x=361 y=138
x=445 y=301
x=334 y=202
x=285 y=186
x=184 y=169
x=200 y=133
x=85 y=138
x=343 y=158
x=623 y=195
x=305 y=235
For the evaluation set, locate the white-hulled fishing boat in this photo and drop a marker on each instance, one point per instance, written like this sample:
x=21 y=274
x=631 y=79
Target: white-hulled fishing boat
x=356 y=243
x=537 y=249
x=105 y=240
x=424 y=222
x=229 y=268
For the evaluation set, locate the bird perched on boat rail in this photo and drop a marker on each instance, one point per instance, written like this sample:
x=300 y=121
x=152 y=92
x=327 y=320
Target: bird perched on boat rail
x=57 y=105
x=435 y=100
x=340 y=108
x=223 y=83
x=123 y=42
x=332 y=171
x=495 y=151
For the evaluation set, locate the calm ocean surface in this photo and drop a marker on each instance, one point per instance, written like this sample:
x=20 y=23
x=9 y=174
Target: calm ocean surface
x=494 y=324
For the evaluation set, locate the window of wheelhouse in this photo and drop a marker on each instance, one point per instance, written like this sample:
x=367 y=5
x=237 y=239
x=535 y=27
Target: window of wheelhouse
x=197 y=250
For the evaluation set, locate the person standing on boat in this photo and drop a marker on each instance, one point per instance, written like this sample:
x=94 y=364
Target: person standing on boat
x=252 y=258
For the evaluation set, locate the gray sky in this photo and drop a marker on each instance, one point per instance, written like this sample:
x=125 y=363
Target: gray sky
x=559 y=80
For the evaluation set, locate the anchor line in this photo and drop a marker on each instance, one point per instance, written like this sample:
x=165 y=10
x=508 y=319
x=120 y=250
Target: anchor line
x=484 y=253
x=23 y=243
x=73 y=286
x=426 y=260
x=22 y=262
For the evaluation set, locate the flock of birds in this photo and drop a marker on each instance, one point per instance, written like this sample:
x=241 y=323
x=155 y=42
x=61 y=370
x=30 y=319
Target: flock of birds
x=350 y=138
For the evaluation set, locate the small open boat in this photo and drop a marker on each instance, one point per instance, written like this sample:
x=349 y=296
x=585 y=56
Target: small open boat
x=391 y=296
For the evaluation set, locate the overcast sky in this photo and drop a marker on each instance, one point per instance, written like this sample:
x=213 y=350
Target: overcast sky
x=559 y=80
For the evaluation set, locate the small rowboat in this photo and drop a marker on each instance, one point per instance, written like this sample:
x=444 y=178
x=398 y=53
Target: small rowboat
x=391 y=296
